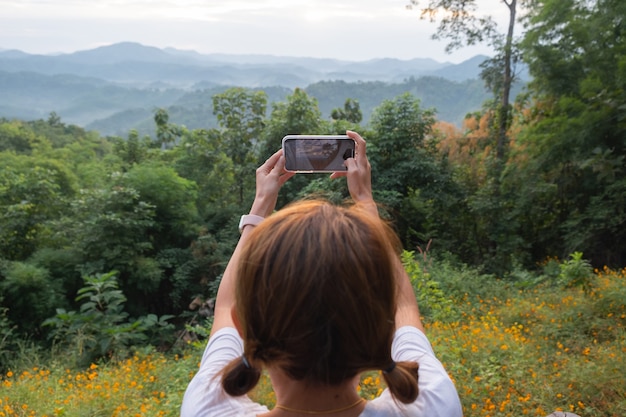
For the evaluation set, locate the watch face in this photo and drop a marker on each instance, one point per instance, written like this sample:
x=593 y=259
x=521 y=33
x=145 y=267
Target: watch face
x=249 y=219
x=242 y=223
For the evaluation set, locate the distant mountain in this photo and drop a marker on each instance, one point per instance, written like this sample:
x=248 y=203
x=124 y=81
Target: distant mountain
x=468 y=70
x=120 y=52
x=139 y=65
x=116 y=88
x=12 y=54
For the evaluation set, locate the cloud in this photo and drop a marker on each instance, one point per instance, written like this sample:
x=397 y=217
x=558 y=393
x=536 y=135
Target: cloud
x=320 y=28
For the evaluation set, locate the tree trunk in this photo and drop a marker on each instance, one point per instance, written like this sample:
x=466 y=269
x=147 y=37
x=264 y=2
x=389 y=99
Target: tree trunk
x=503 y=117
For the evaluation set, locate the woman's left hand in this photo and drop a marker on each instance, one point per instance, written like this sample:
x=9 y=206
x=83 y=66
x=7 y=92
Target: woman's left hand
x=269 y=178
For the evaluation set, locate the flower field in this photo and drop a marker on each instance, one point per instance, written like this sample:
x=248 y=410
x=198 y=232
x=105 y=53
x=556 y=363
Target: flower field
x=512 y=350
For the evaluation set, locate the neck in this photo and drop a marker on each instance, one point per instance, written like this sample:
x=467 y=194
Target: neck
x=300 y=398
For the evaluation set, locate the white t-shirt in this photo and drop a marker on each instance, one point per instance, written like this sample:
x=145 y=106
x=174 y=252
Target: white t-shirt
x=437 y=395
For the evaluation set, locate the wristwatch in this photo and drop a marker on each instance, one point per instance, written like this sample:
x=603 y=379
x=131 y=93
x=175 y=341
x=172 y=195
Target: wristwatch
x=249 y=220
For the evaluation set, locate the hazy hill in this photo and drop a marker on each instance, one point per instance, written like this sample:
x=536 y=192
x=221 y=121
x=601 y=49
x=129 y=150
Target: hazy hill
x=139 y=65
x=115 y=88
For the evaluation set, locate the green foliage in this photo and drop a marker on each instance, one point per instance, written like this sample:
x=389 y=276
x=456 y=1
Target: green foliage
x=452 y=99
x=577 y=127
x=133 y=150
x=576 y=272
x=17 y=137
x=351 y=112
x=163 y=212
x=299 y=114
x=101 y=328
x=399 y=155
x=201 y=158
x=62 y=266
x=113 y=228
x=241 y=116
x=8 y=338
x=166 y=133
x=33 y=191
x=29 y=294
x=432 y=300
x=173 y=199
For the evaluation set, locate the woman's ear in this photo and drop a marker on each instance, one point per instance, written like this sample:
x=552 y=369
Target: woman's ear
x=236 y=322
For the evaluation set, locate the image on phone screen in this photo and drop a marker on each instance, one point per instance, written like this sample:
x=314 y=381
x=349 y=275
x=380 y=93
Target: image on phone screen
x=317 y=153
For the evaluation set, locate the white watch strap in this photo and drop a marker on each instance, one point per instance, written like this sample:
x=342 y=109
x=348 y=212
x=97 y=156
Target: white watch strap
x=249 y=220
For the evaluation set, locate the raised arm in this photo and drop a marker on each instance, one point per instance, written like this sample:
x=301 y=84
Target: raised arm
x=360 y=185
x=269 y=178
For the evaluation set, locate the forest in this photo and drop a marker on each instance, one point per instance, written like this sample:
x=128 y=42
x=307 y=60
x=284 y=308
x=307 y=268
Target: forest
x=111 y=247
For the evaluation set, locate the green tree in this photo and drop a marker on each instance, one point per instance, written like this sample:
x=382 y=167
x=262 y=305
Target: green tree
x=134 y=227
x=32 y=191
x=241 y=116
x=132 y=150
x=351 y=112
x=573 y=139
x=174 y=201
x=410 y=181
x=166 y=133
x=201 y=158
x=29 y=295
x=102 y=327
x=463 y=25
x=14 y=137
x=298 y=115
x=398 y=144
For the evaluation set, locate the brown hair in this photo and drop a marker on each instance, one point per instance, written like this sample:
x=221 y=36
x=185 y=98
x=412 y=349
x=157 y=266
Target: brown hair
x=316 y=297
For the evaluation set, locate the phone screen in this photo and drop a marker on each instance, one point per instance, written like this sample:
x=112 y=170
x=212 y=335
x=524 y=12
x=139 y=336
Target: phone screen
x=317 y=153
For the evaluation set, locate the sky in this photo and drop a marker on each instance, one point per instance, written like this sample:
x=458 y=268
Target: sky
x=353 y=30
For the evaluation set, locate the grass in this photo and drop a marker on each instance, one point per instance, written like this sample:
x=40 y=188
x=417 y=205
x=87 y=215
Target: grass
x=511 y=351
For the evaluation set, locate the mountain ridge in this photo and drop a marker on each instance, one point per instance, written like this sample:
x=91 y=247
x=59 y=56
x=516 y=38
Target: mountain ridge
x=103 y=87
x=113 y=62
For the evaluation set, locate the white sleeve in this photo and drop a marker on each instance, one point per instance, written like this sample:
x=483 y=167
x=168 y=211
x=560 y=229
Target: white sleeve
x=204 y=396
x=437 y=395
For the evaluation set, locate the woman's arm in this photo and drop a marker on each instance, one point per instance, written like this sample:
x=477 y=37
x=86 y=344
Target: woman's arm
x=269 y=178
x=360 y=186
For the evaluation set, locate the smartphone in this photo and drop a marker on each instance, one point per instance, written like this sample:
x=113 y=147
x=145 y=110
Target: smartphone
x=317 y=153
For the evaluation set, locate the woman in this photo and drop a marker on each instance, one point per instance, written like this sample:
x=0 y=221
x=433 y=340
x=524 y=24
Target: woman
x=316 y=295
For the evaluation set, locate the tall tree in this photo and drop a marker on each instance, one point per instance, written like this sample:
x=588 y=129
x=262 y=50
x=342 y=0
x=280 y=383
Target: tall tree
x=351 y=112
x=409 y=180
x=463 y=25
x=241 y=116
x=166 y=132
x=298 y=115
x=575 y=137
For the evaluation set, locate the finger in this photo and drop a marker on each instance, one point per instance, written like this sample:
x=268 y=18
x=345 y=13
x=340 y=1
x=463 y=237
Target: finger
x=351 y=164
x=279 y=170
x=279 y=165
x=359 y=142
x=338 y=174
x=273 y=160
x=284 y=177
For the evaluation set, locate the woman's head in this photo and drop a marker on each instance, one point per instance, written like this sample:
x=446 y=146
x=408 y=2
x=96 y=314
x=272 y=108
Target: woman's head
x=316 y=293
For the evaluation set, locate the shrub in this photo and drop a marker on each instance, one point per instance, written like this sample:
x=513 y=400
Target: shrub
x=576 y=272
x=29 y=294
x=432 y=300
x=102 y=328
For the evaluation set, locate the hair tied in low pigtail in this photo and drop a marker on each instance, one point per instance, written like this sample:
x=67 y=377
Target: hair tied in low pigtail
x=245 y=362
x=239 y=377
x=389 y=368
